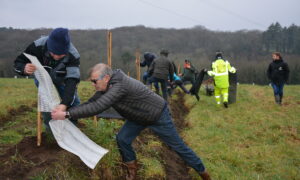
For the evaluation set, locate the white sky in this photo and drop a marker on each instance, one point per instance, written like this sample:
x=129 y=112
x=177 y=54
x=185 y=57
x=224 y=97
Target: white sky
x=222 y=15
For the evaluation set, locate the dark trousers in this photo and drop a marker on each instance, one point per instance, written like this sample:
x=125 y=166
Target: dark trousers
x=166 y=131
x=163 y=84
x=278 y=89
x=146 y=77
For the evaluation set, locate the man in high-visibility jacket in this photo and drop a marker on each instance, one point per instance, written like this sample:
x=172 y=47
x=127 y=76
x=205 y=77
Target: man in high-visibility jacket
x=220 y=73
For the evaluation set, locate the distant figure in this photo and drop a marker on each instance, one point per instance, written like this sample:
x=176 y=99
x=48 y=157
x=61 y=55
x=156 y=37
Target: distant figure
x=189 y=72
x=178 y=82
x=278 y=73
x=220 y=73
x=61 y=60
x=148 y=59
x=160 y=70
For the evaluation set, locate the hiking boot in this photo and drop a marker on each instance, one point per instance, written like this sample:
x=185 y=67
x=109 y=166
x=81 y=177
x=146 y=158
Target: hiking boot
x=131 y=168
x=204 y=175
x=225 y=104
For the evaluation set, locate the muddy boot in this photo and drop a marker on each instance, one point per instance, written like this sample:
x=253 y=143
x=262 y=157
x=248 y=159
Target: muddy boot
x=131 y=168
x=277 y=99
x=204 y=175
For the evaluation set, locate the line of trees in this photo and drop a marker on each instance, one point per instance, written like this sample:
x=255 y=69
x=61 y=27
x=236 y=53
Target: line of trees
x=282 y=39
x=248 y=51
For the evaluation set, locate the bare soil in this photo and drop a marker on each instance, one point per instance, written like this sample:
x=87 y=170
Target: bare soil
x=26 y=160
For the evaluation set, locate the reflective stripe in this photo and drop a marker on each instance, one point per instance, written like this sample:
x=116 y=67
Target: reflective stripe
x=221 y=74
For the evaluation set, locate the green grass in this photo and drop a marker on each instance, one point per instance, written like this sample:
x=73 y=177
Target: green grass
x=252 y=139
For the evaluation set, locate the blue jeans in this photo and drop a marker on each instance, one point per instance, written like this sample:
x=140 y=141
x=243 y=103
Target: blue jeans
x=146 y=77
x=163 y=84
x=278 y=89
x=166 y=131
x=47 y=115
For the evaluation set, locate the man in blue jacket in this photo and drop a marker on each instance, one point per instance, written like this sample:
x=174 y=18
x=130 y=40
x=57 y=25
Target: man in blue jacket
x=61 y=60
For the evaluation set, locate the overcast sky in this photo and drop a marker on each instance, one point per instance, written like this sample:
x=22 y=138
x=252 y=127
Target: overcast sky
x=222 y=15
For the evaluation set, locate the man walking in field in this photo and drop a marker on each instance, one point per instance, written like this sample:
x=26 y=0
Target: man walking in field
x=220 y=73
x=141 y=108
x=61 y=60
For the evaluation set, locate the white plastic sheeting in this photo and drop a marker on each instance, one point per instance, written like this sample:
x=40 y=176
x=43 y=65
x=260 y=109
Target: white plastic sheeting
x=67 y=135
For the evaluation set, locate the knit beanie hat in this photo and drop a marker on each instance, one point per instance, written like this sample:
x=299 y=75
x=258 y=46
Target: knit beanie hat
x=59 y=41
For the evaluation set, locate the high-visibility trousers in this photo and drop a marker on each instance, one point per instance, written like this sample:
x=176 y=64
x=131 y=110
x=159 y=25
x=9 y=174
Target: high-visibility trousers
x=221 y=92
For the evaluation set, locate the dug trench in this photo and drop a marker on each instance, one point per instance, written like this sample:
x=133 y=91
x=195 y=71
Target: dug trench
x=175 y=167
x=25 y=160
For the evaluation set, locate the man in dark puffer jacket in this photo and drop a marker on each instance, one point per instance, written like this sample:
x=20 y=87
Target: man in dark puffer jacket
x=141 y=107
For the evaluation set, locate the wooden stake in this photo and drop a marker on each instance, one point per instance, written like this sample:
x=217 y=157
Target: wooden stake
x=138 y=65
x=178 y=69
x=95 y=121
x=128 y=73
x=109 y=48
x=39 y=128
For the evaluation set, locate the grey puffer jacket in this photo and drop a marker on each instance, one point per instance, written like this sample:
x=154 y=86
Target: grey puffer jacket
x=129 y=97
x=162 y=68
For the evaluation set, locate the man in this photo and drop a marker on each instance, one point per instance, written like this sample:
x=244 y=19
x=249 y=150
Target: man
x=278 y=73
x=141 y=108
x=148 y=59
x=189 y=72
x=220 y=72
x=61 y=60
x=161 y=70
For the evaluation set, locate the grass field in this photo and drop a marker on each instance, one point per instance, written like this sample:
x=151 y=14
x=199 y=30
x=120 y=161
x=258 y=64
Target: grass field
x=252 y=139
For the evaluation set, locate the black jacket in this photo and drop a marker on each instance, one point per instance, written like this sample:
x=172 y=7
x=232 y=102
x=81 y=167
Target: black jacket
x=162 y=68
x=129 y=97
x=278 y=72
x=64 y=72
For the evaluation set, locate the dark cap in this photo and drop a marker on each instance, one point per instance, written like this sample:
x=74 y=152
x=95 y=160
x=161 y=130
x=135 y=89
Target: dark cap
x=59 y=41
x=164 y=52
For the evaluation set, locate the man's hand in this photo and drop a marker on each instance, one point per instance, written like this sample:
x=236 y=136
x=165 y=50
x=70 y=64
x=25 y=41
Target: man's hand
x=58 y=114
x=29 y=69
x=61 y=107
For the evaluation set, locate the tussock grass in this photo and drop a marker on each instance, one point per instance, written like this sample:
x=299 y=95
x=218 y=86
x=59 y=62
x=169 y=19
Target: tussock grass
x=252 y=139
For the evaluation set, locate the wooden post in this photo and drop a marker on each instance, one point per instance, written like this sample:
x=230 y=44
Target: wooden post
x=178 y=69
x=95 y=121
x=109 y=48
x=128 y=73
x=39 y=128
x=137 y=65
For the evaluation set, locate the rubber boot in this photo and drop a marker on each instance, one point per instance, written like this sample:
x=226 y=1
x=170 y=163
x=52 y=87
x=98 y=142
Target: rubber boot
x=204 y=175
x=280 y=99
x=131 y=168
x=277 y=99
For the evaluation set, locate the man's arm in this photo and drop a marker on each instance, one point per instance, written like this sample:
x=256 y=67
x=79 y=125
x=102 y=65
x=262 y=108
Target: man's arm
x=71 y=81
x=21 y=61
x=105 y=101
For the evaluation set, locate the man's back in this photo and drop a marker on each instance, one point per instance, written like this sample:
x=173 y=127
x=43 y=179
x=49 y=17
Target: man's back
x=162 y=68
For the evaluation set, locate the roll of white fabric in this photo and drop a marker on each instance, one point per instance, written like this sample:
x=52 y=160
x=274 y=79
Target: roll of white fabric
x=67 y=135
